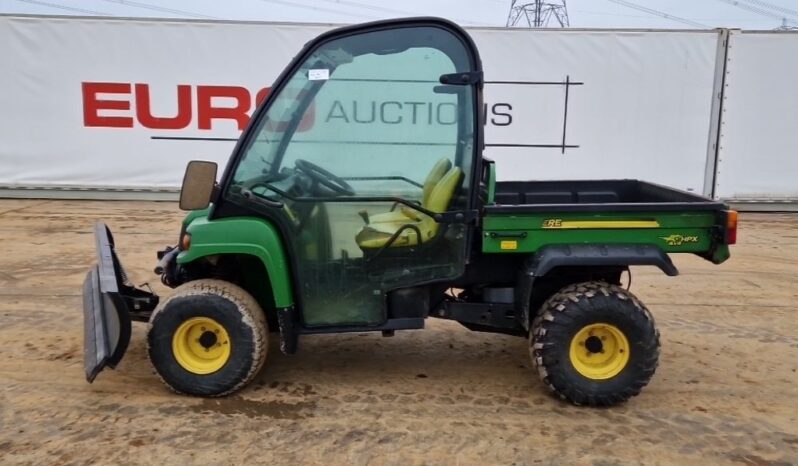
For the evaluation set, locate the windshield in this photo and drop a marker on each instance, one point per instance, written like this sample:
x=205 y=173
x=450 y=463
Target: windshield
x=368 y=109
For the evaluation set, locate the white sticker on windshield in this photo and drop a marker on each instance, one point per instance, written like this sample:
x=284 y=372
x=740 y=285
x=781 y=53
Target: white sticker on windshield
x=319 y=75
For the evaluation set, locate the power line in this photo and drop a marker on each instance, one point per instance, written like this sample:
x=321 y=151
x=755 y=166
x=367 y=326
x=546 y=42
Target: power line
x=390 y=10
x=604 y=13
x=316 y=8
x=160 y=8
x=771 y=6
x=621 y=15
x=759 y=11
x=752 y=9
x=661 y=14
x=59 y=6
x=371 y=7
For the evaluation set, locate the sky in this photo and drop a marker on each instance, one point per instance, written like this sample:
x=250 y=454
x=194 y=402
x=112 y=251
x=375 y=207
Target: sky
x=661 y=14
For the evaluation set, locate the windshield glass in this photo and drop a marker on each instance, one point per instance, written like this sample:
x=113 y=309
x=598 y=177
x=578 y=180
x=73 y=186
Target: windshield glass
x=370 y=110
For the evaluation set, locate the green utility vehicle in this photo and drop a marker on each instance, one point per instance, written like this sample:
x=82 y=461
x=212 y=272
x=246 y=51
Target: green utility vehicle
x=358 y=200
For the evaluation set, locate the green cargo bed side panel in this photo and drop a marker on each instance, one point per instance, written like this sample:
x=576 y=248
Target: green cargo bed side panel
x=671 y=231
x=243 y=236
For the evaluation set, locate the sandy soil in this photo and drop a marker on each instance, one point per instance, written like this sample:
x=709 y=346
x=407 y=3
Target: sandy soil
x=726 y=390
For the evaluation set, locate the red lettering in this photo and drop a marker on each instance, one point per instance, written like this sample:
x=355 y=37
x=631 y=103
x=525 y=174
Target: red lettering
x=92 y=105
x=307 y=119
x=261 y=96
x=144 y=112
x=206 y=112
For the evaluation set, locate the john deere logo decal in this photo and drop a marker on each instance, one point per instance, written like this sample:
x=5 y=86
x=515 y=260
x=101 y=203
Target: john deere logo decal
x=678 y=240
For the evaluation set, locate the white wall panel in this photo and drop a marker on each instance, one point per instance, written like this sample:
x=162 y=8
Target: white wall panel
x=643 y=109
x=639 y=103
x=43 y=137
x=758 y=159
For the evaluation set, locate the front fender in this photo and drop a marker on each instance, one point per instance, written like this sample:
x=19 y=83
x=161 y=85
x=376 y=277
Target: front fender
x=251 y=236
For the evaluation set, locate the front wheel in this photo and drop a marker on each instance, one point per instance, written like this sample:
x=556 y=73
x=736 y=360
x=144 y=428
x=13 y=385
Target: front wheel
x=594 y=344
x=209 y=338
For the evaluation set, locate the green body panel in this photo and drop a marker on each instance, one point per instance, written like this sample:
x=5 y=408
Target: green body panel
x=196 y=214
x=675 y=232
x=244 y=235
x=260 y=239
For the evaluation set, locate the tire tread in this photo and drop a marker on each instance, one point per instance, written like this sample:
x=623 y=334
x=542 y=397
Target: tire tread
x=251 y=314
x=584 y=297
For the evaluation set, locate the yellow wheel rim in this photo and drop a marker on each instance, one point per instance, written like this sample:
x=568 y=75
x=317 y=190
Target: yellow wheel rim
x=599 y=351
x=201 y=345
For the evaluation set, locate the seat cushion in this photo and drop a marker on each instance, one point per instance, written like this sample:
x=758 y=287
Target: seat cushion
x=441 y=168
x=376 y=235
x=393 y=216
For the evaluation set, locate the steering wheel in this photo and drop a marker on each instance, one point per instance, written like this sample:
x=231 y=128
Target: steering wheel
x=324 y=177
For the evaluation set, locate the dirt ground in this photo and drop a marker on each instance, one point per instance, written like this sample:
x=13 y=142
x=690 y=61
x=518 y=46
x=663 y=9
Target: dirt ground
x=726 y=390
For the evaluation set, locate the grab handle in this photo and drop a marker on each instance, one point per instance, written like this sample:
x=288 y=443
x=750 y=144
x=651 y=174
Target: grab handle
x=493 y=234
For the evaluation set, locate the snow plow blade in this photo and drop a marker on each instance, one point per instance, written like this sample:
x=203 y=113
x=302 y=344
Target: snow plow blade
x=110 y=304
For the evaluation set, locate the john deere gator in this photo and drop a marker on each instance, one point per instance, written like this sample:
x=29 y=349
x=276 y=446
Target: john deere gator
x=358 y=199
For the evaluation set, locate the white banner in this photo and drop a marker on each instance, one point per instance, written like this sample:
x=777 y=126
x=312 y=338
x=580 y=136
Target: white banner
x=639 y=105
x=84 y=100
x=757 y=159
x=126 y=103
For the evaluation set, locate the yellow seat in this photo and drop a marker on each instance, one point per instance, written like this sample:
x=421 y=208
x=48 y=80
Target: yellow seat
x=373 y=236
x=440 y=168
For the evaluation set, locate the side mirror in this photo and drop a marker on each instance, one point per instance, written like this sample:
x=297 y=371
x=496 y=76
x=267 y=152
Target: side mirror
x=198 y=182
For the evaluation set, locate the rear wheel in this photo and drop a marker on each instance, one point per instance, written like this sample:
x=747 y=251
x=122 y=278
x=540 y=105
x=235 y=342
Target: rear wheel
x=209 y=338
x=594 y=344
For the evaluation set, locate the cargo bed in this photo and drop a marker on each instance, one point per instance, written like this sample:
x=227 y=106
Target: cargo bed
x=529 y=215
x=594 y=196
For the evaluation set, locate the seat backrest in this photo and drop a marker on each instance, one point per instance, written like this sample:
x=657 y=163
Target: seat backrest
x=440 y=168
x=438 y=202
x=441 y=196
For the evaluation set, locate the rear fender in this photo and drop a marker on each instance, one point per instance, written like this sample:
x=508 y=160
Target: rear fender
x=583 y=255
